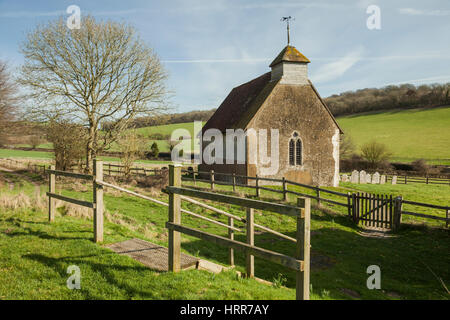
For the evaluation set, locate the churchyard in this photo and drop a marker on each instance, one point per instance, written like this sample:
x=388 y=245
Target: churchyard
x=340 y=254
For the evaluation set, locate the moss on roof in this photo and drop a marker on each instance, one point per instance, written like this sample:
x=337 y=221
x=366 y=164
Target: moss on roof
x=291 y=54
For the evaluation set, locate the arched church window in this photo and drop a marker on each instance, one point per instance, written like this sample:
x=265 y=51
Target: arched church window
x=298 y=152
x=295 y=150
x=291 y=152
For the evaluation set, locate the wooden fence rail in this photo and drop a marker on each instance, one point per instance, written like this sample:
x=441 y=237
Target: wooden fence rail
x=348 y=198
x=96 y=205
x=300 y=260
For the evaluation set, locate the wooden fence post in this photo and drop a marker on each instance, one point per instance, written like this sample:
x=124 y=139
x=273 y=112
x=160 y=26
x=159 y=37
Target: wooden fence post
x=211 y=176
x=257 y=186
x=193 y=177
x=98 y=201
x=448 y=216
x=250 y=226
x=51 y=189
x=234 y=182
x=174 y=217
x=354 y=208
x=349 y=204
x=231 y=237
x=397 y=213
x=303 y=247
x=318 y=195
x=284 y=189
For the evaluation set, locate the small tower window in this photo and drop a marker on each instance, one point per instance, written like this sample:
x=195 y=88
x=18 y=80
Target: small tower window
x=295 y=150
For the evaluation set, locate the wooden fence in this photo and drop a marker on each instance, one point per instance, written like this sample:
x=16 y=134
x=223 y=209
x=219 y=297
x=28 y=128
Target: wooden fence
x=300 y=261
x=96 y=204
x=417 y=179
x=348 y=199
x=33 y=167
x=116 y=169
x=212 y=181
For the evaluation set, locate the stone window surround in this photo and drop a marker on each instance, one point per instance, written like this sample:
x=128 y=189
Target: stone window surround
x=295 y=139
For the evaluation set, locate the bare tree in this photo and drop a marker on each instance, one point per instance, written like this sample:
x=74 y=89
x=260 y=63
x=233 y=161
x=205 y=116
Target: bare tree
x=8 y=96
x=346 y=147
x=100 y=73
x=34 y=141
x=132 y=147
x=375 y=153
x=69 y=141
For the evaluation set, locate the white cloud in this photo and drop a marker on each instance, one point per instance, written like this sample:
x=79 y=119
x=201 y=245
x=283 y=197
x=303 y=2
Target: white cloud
x=417 y=12
x=335 y=69
x=30 y=14
x=34 y=14
x=443 y=78
x=250 y=60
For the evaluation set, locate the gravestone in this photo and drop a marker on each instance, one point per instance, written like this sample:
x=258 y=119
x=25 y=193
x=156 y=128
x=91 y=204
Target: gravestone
x=394 y=179
x=368 y=178
x=344 y=178
x=354 y=177
x=362 y=177
x=376 y=178
x=382 y=179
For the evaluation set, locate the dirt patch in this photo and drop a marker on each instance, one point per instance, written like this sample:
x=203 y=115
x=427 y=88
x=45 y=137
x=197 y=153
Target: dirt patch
x=393 y=294
x=351 y=293
x=377 y=233
x=320 y=261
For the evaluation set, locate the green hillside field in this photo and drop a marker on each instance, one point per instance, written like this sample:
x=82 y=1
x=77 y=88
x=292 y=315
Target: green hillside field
x=409 y=134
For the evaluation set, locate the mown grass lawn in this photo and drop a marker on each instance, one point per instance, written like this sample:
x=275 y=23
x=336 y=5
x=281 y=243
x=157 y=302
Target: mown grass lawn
x=35 y=256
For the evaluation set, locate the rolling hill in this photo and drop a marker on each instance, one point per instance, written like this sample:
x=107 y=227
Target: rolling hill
x=409 y=134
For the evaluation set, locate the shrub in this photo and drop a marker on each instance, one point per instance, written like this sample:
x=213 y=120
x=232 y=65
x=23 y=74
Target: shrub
x=421 y=166
x=155 y=150
x=69 y=143
x=346 y=147
x=34 y=141
x=131 y=146
x=375 y=153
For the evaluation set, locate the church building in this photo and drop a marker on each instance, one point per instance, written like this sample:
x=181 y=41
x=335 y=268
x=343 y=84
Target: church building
x=283 y=99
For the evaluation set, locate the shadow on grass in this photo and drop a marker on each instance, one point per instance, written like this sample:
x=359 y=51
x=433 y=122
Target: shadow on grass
x=108 y=271
x=340 y=258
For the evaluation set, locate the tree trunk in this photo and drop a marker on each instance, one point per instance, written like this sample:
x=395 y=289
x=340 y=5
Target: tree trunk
x=90 y=150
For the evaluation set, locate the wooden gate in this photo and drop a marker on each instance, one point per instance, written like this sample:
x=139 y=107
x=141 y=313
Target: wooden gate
x=373 y=210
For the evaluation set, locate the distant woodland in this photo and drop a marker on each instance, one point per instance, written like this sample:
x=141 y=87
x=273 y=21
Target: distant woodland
x=405 y=96
x=172 y=118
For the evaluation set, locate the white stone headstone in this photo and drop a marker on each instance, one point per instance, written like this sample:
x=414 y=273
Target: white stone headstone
x=362 y=177
x=394 y=179
x=354 y=177
x=344 y=178
x=368 y=178
x=382 y=179
x=376 y=178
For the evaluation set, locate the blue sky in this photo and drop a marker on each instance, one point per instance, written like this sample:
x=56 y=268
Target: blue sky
x=209 y=47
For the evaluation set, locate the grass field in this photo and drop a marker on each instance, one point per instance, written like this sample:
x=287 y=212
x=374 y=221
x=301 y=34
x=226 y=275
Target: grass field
x=409 y=134
x=22 y=154
x=34 y=255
